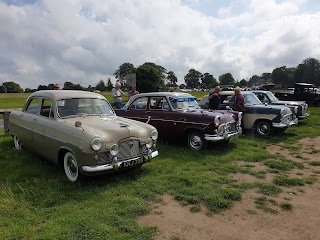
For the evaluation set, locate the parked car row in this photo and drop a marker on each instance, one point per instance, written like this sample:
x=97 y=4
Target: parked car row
x=81 y=132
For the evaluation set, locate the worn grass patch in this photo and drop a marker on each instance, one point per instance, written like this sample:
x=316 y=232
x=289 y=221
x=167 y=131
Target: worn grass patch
x=286 y=181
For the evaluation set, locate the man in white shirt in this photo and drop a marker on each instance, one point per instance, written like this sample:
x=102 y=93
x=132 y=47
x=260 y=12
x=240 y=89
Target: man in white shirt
x=117 y=95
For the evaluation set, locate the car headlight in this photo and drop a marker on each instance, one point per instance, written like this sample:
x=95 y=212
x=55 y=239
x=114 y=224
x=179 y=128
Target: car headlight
x=282 y=113
x=114 y=149
x=221 y=129
x=154 y=134
x=96 y=144
x=216 y=121
x=149 y=143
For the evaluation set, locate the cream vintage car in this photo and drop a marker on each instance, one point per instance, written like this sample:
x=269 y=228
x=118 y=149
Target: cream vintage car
x=80 y=131
x=263 y=119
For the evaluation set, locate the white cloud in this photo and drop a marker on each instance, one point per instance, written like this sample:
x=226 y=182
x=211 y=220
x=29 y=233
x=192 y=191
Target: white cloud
x=85 y=41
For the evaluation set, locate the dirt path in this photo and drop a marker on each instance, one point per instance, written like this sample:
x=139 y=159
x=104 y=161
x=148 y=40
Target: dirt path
x=244 y=220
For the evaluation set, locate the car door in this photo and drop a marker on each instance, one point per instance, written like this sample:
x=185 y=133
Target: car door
x=161 y=116
x=25 y=122
x=44 y=130
x=137 y=110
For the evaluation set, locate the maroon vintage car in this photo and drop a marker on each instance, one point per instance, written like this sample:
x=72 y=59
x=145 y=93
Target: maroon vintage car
x=178 y=116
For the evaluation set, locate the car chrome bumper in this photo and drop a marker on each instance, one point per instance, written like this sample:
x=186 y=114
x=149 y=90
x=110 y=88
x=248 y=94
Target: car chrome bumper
x=305 y=115
x=224 y=137
x=116 y=165
x=285 y=124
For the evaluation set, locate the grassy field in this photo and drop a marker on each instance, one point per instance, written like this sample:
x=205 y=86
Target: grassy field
x=37 y=201
x=17 y=100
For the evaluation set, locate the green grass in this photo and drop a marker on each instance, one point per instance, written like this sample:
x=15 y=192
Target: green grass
x=37 y=202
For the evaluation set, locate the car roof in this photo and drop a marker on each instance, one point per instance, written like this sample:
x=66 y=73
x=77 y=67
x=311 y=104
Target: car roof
x=305 y=84
x=65 y=94
x=161 y=94
x=263 y=91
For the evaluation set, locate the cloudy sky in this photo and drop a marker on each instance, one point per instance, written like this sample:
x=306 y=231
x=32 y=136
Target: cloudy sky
x=83 y=41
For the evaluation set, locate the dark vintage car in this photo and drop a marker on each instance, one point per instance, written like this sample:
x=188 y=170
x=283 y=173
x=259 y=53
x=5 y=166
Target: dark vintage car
x=264 y=119
x=302 y=92
x=80 y=131
x=178 y=116
x=268 y=98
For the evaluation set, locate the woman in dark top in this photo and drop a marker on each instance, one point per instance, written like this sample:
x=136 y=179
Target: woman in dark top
x=214 y=99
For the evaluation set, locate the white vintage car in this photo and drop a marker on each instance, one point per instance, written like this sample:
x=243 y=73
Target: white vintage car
x=80 y=131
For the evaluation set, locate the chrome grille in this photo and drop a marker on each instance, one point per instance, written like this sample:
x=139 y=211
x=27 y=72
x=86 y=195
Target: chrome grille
x=127 y=149
x=231 y=127
x=130 y=149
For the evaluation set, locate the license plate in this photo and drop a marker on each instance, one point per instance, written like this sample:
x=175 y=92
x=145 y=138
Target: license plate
x=132 y=163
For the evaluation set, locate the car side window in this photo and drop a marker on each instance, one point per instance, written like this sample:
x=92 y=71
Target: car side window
x=262 y=97
x=228 y=99
x=139 y=104
x=33 y=106
x=46 y=108
x=159 y=103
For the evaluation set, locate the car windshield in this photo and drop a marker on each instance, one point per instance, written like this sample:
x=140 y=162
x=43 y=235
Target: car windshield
x=272 y=97
x=83 y=107
x=183 y=102
x=251 y=99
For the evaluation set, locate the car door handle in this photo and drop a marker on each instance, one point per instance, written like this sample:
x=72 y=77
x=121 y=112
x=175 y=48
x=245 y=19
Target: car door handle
x=147 y=111
x=149 y=118
x=35 y=119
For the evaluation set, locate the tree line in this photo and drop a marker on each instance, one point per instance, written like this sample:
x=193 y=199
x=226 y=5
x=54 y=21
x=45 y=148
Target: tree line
x=152 y=77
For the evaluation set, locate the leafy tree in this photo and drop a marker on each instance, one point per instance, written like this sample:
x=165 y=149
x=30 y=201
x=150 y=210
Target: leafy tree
x=109 y=85
x=208 y=81
x=226 y=79
x=280 y=76
x=149 y=78
x=43 y=87
x=266 y=76
x=101 y=86
x=308 y=71
x=254 y=81
x=192 y=79
x=29 y=90
x=11 y=87
x=72 y=86
x=243 y=83
x=123 y=70
x=172 y=77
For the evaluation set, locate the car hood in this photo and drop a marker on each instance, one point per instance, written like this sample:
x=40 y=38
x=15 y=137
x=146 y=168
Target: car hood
x=294 y=103
x=267 y=109
x=113 y=128
x=224 y=115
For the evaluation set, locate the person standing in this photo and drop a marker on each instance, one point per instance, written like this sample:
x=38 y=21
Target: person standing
x=214 y=99
x=56 y=87
x=239 y=100
x=132 y=92
x=117 y=95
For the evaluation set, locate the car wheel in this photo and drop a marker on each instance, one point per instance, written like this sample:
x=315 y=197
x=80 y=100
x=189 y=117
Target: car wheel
x=195 y=140
x=70 y=166
x=17 y=143
x=263 y=128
